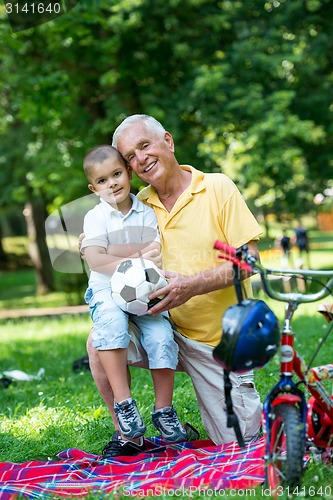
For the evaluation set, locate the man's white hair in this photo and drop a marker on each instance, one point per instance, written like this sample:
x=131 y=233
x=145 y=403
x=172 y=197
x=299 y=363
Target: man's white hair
x=151 y=123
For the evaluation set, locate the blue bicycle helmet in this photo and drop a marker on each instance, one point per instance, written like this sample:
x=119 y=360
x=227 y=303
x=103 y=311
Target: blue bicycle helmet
x=251 y=336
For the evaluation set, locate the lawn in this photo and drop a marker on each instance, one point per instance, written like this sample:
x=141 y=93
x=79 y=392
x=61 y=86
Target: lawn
x=64 y=410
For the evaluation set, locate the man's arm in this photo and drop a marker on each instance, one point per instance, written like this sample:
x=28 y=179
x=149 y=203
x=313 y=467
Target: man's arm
x=181 y=288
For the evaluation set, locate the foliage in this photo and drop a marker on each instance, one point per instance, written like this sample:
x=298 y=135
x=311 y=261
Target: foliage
x=244 y=86
x=271 y=126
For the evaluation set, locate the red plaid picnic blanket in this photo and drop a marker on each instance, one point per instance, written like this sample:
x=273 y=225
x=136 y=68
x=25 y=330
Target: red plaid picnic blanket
x=182 y=467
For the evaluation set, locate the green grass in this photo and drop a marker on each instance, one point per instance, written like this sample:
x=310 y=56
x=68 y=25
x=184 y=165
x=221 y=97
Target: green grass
x=18 y=290
x=64 y=410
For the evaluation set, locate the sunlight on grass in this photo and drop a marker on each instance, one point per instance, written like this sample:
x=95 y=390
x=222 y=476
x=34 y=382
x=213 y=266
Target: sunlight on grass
x=64 y=409
x=17 y=245
x=17 y=290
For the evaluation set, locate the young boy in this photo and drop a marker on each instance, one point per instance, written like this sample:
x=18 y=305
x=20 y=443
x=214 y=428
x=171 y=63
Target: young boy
x=118 y=228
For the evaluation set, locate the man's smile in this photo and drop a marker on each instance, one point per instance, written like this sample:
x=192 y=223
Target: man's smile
x=150 y=166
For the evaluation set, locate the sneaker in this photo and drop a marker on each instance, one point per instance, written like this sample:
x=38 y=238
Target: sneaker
x=119 y=447
x=166 y=421
x=129 y=418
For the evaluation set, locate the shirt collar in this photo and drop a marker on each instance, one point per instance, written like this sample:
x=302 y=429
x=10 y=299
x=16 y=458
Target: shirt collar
x=136 y=206
x=197 y=184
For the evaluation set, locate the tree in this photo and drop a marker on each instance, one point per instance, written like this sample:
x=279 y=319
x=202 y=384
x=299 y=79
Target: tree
x=273 y=83
x=230 y=80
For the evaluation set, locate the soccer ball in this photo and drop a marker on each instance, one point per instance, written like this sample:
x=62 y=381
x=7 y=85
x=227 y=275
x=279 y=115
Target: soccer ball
x=132 y=282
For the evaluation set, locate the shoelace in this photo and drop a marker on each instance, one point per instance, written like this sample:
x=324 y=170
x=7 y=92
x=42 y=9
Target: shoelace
x=170 y=417
x=129 y=412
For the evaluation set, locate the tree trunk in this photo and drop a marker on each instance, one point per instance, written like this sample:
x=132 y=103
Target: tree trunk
x=3 y=255
x=35 y=215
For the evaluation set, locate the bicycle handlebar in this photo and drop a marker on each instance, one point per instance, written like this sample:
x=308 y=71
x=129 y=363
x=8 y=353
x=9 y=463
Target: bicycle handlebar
x=241 y=258
x=231 y=255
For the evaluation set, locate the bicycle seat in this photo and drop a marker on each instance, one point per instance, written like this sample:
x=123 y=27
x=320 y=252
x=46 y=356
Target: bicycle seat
x=326 y=310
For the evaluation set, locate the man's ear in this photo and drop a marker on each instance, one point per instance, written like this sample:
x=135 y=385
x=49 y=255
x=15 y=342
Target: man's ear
x=169 y=140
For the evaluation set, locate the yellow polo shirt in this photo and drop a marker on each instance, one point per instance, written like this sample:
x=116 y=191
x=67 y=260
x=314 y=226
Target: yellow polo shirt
x=210 y=208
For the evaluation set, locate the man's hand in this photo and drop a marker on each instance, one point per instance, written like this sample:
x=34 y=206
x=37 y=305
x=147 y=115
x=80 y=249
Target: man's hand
x=181 y=288
x=80 y=245
x=178 y=291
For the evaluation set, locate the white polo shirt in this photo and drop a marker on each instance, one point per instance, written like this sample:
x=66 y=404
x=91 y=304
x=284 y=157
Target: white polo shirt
x=105 y=225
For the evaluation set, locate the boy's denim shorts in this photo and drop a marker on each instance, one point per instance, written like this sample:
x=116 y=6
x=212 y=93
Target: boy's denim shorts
x=111 y=329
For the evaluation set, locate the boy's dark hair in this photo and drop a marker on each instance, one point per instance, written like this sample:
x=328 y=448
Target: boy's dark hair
x=98 y=154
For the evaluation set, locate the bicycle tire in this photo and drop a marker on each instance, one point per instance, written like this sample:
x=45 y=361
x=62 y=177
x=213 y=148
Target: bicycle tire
x=284 y=465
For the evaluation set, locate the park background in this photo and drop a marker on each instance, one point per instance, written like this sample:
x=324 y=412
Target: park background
x=245 y=87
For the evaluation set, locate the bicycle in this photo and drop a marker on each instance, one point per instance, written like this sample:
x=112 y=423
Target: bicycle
x=292 y=426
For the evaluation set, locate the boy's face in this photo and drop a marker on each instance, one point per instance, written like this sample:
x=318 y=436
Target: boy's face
x=111 y=181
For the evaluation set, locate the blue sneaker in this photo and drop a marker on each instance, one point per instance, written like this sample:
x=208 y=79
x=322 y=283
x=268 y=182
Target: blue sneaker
x=166 y=421
x=129 y=418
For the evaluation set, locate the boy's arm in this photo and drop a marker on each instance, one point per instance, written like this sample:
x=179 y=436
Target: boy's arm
x=105 y=261
x=148 y=238
x=151 y=251
x=100 y=261
x=151 y=238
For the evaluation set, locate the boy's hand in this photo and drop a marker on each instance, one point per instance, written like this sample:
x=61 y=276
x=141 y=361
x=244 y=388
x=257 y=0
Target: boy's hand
x=153 y=255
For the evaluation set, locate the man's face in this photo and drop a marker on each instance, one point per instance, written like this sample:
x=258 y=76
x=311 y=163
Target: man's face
x=149 y=155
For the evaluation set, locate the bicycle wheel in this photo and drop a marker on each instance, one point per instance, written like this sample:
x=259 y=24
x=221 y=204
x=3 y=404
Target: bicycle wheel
x=284 y=465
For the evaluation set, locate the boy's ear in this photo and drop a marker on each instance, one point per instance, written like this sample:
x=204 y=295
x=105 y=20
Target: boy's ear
x=91 y=187
x=130 y=172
